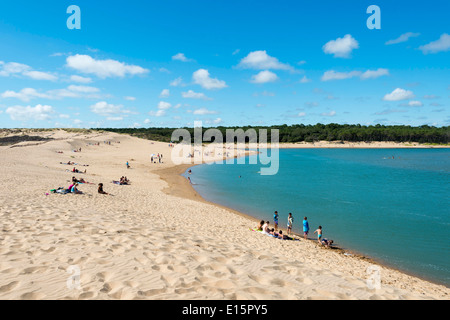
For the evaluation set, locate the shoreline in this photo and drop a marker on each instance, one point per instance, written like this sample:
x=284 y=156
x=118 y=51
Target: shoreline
x=147 y=241
x=180 y=187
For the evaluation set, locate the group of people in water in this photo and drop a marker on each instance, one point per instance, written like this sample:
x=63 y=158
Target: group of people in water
x=264 y=227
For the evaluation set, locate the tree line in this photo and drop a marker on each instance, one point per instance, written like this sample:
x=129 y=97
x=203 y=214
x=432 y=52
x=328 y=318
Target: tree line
x=318 y=132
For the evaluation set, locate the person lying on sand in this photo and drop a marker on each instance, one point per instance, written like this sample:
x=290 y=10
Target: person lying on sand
x=284 y=237
x=327 y=243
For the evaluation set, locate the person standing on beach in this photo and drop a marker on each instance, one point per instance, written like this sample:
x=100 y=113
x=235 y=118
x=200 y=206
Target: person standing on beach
x=305 y=227
x=289 y=224
x=319 y=234
x=275 y=220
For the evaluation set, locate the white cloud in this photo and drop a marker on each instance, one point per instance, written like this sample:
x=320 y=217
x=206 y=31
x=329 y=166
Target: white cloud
x=215 y=121
x=105 y=109
x=37 y=113
x=181 y=57
x=130 y=98
x=415 y=103
x=431 y=96
x=264 y=94
x=25 y=94
x=159 y=113
x=399 y=94
x=177 y=82
x=443 y=44
x=71 y=91
x=14 y=68
x=194 y=95
x=372 y=74
x=165 y=93
x=261 y=60
x=202 y=78
x=301 y=114
x=204 y=111
x=103 y=68
x=328 y=114
x=341 y=47
x=83 y=89
x=38 y=75
x=80 y=79
x=114 y=118
x=403 y=38
x=264 y=77
x=162 y=105
x=147 y=121
x=333 y=75
x=305 y=80
x=369 y=74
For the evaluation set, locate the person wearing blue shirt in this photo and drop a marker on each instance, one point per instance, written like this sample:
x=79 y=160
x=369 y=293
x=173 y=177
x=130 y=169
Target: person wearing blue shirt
x=305 y=227
x=275 y=220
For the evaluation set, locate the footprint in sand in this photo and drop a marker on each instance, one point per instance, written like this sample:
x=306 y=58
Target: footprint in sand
x=8 y=287
x=32 y=296
x=152 y=292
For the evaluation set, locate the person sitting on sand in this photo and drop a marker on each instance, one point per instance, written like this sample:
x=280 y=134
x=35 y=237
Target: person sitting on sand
x=260 y=226
x=265 y=227
x=75 y=190
x=100 y=189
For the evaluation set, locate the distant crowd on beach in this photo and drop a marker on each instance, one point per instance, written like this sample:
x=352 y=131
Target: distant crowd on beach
x=264 y=227
x=156 y=158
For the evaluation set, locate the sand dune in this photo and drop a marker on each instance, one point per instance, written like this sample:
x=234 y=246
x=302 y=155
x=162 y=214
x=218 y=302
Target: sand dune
x=144 y=243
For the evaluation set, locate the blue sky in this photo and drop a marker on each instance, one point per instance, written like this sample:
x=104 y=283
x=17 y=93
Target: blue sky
x=170 y=63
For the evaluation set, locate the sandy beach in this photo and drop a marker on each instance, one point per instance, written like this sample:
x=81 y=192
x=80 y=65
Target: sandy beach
x=155 y=238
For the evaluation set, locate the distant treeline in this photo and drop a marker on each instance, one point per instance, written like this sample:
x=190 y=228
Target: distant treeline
x=318 y=132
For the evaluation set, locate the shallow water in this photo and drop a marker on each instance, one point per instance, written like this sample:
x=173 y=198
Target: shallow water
x=389 y=204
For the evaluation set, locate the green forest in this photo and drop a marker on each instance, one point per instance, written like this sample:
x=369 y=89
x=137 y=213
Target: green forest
x=318 y=132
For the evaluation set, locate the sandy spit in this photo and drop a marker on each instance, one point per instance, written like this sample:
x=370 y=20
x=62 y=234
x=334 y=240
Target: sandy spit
x=153 y=239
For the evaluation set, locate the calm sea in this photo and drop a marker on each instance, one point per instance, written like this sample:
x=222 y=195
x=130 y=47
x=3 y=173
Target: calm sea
x=389 y=204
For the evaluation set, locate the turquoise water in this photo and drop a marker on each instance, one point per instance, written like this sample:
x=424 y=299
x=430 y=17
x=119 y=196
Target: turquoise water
x=393 y=210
